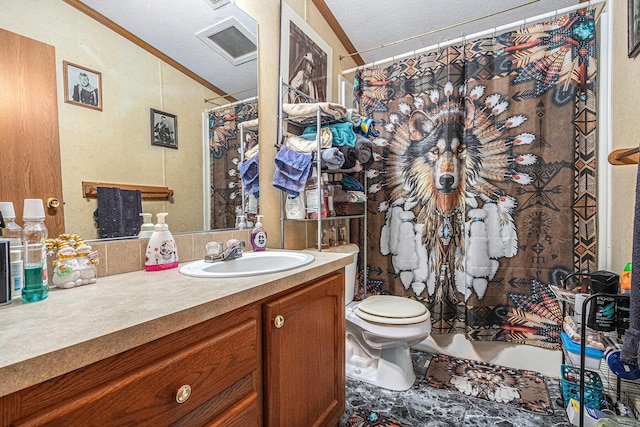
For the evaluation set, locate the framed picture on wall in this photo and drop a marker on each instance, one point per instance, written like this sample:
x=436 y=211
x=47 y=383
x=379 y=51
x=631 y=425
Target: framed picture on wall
x=306 y=59
x=164 y=129
x=634 y=27
x=83 y=87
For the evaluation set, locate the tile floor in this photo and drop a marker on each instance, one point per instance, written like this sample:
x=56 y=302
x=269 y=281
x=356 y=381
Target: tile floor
x=423 y=406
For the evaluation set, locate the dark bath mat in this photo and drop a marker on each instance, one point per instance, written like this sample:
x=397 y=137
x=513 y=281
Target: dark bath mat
x=521 y=389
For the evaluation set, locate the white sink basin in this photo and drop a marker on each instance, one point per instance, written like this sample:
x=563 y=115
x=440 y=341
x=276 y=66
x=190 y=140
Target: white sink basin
x=250 y=264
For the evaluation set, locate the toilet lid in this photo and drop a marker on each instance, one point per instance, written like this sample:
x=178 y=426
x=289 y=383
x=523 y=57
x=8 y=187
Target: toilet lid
x=391 y=310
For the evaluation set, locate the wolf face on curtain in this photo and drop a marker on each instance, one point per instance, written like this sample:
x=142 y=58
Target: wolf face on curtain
x=484 y=191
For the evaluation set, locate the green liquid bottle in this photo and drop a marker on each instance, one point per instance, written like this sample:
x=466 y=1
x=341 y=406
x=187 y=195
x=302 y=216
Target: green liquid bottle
x=34 y=234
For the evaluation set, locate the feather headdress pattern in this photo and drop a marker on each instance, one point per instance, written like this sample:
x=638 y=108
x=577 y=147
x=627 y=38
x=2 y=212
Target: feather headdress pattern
x=451 y=153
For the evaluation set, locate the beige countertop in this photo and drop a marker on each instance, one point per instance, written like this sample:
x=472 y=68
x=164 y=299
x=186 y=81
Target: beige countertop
x=75 y=327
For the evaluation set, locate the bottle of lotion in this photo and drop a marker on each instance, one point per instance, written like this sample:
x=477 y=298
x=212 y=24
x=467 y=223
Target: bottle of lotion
x=147 y=228
x=161 y=250
x=258 y=236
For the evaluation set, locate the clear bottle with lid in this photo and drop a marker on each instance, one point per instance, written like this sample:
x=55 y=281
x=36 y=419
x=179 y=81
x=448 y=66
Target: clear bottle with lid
x=11 y=230
x=316 y=203
x=34 y=234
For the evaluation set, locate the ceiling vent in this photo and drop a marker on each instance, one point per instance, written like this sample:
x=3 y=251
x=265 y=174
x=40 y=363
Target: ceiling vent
x=217 y=3
x=232 y=40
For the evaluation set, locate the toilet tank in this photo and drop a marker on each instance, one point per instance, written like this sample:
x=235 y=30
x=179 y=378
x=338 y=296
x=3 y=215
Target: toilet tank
x=350 y=270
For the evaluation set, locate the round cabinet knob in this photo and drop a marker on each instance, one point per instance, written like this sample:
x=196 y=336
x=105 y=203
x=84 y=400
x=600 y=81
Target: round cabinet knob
x=52 y=202
x=279 y=321
x=183 y=393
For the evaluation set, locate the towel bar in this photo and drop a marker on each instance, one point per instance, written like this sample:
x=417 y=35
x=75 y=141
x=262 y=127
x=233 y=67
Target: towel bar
x=624 y=156
x=149 y=192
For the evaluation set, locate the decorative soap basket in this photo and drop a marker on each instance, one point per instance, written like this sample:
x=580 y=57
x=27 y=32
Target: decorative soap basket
x=75 y=262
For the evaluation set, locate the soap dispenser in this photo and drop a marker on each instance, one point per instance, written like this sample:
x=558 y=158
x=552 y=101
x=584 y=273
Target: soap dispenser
x=146 y=229
x=161 y=250
x=258 y=236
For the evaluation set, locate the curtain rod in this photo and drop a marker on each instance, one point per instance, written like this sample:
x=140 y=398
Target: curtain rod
x=480 y=34
x=242 y=101
x=227 y=95
x=448 y=27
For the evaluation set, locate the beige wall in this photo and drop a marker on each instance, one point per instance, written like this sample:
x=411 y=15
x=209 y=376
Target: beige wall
x=625 y=76
x=114 y=145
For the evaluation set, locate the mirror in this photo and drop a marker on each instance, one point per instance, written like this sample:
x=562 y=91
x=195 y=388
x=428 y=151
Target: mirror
x=114 y=144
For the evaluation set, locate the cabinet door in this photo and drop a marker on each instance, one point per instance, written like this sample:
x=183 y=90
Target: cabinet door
x=305 y=355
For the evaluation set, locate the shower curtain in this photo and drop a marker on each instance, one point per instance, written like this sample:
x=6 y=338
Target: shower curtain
x=483 y=193
x=224 y=155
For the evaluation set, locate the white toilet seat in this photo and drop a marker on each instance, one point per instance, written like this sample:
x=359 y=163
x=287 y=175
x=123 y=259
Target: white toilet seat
x=391 y=310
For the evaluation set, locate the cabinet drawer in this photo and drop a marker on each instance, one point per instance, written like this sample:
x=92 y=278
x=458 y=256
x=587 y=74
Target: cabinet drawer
x=148 y=395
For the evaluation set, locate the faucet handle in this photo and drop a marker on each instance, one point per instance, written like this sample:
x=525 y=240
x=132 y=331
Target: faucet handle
x=214 y=248
x=235 y=242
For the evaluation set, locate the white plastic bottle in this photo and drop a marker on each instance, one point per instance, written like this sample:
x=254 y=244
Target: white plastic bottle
x=147 y=228
x=17 y=272
x=162 y=252
x=34 y=234
x=13 y=232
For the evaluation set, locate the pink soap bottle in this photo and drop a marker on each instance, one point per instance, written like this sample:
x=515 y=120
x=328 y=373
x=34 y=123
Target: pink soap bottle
x=258 y=236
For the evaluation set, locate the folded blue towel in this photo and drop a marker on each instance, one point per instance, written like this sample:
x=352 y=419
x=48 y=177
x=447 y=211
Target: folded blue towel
x=331 y=158
x=343 y=133
x=249 y=175
x=292 y=170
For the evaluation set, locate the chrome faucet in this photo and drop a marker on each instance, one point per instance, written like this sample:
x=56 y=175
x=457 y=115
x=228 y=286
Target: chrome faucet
x=233 y=250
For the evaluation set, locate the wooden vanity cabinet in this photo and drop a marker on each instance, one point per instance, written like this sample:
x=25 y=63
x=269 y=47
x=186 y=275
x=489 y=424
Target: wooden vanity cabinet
x=219 y=360
x=278 y=362
x=304 y=354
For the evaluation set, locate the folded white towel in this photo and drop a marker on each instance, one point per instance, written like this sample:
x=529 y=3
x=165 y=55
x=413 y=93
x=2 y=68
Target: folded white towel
x=304 y=111
x=250 y=124
x=302 y=145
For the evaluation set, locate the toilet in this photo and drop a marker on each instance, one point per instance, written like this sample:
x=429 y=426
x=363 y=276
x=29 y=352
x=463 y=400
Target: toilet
x=380 y=330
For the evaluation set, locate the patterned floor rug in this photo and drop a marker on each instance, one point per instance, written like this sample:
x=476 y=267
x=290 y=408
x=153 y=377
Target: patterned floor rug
x=368 y=418
x=522 y=389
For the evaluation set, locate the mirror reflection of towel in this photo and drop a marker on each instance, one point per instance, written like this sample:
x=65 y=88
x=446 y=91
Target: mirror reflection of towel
x=118 y=213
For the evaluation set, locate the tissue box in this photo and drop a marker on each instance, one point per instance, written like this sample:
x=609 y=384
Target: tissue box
x=593 y=356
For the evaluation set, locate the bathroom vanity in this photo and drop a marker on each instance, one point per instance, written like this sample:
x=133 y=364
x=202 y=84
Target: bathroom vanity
x=160 y=348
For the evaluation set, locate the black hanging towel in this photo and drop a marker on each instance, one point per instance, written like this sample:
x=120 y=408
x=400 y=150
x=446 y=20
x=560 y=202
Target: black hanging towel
x=118 y=213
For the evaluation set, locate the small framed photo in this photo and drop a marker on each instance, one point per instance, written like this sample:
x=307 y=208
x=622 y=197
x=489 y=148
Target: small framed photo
x=633 y=27
x=83 y=87
x=164 y=129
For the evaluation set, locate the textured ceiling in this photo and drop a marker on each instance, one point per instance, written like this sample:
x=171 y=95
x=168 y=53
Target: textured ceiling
x=171 y=27
x=373 y=23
